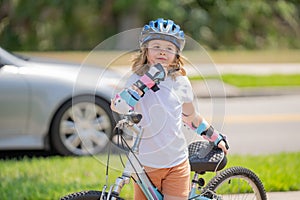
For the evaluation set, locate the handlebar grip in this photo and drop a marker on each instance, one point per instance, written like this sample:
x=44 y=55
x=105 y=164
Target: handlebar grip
x=135 y=118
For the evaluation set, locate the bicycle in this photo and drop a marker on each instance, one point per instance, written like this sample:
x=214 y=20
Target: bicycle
x=231 y=183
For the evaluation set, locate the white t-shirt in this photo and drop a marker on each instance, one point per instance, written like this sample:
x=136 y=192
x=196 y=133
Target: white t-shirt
x=163 y=144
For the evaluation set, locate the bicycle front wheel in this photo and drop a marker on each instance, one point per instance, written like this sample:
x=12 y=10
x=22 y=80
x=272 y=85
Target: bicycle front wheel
x=87 y=195
x=236 y=183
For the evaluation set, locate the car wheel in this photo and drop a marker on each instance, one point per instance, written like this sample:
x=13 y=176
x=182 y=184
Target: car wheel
x=82 y=126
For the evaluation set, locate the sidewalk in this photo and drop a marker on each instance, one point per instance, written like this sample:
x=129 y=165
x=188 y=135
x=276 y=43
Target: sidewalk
x=218 y=89
x=253 y=68
x=215 y=88
x=292 y=195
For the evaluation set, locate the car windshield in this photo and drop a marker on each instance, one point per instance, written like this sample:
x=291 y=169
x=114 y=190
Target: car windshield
x=8 y=58
x=23 y=57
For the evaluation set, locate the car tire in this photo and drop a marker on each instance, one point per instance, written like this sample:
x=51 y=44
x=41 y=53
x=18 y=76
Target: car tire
x=82 y=126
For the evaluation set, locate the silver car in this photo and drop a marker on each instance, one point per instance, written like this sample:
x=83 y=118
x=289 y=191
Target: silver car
x=62 y=107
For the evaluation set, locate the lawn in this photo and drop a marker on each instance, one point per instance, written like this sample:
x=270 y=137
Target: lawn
x=53 y=177
x=244 y=80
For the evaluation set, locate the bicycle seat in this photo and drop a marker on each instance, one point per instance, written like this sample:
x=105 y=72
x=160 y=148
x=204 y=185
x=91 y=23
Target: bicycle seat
x=204 y=157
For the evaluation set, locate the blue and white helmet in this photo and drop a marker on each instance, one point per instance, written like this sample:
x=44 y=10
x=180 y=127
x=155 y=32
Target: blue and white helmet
x=161 y=29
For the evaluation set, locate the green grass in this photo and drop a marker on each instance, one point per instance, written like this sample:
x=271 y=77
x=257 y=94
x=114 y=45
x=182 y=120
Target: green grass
x=53 y=177
x=262 y=81
x=277 y=172
x=243 y=80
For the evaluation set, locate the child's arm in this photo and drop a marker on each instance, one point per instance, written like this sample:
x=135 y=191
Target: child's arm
x=201 y=127
x=125 y=100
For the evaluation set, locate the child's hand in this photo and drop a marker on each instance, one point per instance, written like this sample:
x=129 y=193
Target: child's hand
x=119 y=104
x=112 y=105
x=151 y=78
x=222 y=145
x=157 y=73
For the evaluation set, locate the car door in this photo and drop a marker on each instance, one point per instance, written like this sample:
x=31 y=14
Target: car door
x=14 y=102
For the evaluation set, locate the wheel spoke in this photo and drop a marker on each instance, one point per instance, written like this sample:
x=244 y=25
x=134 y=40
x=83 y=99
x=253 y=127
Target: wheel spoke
x=88 y=145
x=67 y=127
x=99 y=138
x=77 y=113
x=73 y=140
x=237 y=183
x=90 y=112
x=101 y=123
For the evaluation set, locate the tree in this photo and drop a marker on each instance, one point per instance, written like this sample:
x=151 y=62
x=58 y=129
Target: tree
x=82 y=24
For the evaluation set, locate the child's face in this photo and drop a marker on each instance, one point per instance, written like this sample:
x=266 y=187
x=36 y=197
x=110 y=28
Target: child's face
x=161 y=51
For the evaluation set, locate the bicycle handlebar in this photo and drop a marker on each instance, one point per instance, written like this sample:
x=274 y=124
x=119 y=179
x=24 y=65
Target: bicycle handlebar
x=130 y=121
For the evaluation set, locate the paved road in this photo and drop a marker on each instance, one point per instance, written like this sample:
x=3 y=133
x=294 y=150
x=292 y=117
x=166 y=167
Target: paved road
x=256 y=125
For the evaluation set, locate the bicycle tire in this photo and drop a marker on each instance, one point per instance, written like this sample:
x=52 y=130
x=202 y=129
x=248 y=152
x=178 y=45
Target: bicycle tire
x=87 y=195
x=226 y=180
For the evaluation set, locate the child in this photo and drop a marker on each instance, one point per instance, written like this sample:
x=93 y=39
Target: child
x=159 y=90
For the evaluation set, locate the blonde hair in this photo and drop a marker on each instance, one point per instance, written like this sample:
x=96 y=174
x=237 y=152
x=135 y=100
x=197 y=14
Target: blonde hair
x=140 y=64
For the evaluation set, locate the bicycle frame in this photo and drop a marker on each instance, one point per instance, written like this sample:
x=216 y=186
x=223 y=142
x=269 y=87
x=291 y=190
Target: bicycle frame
x=134 y=169
x=194 y=187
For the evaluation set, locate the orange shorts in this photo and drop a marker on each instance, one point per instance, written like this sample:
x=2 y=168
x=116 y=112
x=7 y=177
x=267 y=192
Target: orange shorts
x=174 y=181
